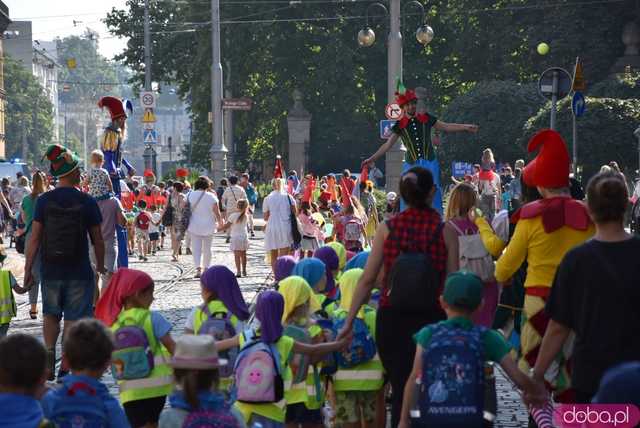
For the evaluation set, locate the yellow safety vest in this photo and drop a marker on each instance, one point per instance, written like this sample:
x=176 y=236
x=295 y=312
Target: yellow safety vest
x=273 y=411
x=7 y=301
x=215 y=306
x=160 y=382
x=367 y=376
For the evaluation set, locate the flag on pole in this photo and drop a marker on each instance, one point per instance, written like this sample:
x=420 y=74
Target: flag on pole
x=277 y=169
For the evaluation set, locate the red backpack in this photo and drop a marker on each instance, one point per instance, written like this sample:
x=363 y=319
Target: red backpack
x=142 y=221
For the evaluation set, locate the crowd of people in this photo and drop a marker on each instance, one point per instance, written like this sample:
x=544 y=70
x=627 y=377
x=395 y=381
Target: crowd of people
x=367 y=303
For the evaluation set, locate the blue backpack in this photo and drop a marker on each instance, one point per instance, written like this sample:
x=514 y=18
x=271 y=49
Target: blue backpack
x=252 y=196
x=75 y=410
x=298 y=362
x=451 y=391
x=132 y=356
x=220 y=327
x=362 y=347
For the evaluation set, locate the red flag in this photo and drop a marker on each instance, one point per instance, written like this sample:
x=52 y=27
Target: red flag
x=308 y=190
x=364 y=174
x=346 y=193
x=277 y=169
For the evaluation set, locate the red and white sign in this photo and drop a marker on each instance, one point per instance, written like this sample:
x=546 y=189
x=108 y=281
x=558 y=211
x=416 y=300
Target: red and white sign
x=393 y=111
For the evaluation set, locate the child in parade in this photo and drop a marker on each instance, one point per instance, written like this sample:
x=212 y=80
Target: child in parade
x=311 y=233
x=98 y=180
x=125 y=304
x=23 y=372
x=87 y=350
x=154 y=229
x=270 y=309
x=357 y=387
x=8 y=284
x=466 y=251
x=196 y=400
x=455 y=350
x=283 y=268
x=239 y=236
x=142 y=222
x=222 y=299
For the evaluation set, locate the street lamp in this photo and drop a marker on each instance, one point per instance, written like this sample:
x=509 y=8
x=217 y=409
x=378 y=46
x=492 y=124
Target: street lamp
x=367 y=37
x=424 y=33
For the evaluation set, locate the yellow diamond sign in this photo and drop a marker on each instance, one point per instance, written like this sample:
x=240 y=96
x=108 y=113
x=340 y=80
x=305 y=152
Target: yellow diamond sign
x=71 y=63
x=148 y=117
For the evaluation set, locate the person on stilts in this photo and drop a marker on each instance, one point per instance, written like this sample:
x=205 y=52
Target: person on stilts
x=414 y=130
x=111 y=145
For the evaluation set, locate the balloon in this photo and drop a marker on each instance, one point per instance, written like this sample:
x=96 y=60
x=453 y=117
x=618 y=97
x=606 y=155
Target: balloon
x=543 y=48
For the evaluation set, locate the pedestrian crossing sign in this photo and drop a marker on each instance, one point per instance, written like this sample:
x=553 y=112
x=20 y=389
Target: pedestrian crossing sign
x=148 y=117
x=150 y=136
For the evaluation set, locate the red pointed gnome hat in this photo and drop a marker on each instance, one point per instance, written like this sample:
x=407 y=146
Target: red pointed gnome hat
x=277 y=169
x=551 y=167
x=114 y=105
x=408 y=96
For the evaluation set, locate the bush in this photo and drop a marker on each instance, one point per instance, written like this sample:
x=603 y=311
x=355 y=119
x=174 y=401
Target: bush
x=624 y=87
x=605 y=132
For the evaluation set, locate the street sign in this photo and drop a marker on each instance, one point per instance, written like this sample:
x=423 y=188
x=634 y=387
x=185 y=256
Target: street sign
x=150 y=136
x=148 y=117
x=460 y=169
x=385 y=128
x=71 y=63
x=545 y=84
x=148 y=99
x=393 y=111
x=243 y=104
x=578 y=84
x=578 y=104
x=149 y=125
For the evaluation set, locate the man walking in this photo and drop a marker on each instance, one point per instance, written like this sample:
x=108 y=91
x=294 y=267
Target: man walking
x=230 y=198
x=62 y=219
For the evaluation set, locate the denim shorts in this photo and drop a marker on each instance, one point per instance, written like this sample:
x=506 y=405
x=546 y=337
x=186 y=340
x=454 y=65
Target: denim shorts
x=72 y=298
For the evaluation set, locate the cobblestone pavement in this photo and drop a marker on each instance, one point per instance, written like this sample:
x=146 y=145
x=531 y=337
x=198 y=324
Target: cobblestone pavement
x=177 y=292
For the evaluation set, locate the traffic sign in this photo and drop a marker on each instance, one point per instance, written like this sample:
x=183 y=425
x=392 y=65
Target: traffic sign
x=243 y=104
x=385 y=128
x=578 y=104
x=148 y=117
x=545 y=84
x=148 y=99
x=149 y=125
x=150 y=136
x=393 y=111
x=460 y=169
x=578 y=84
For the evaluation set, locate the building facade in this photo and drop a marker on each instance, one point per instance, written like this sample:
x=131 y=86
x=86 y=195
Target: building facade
x=4 y=23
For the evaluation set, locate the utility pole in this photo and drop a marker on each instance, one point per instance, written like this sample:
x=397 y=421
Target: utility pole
x=84 y=141
x=218 y=149
x=147 y=48
x=395 y=156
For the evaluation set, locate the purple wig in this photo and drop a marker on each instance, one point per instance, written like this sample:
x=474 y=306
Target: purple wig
x=283 y=268
x=221 y=281
x=269 y=310
x=330 y=259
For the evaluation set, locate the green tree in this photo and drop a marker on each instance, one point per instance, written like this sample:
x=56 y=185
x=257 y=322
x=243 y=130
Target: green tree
x=605 y=132
x=270 y=49
x=29 y=115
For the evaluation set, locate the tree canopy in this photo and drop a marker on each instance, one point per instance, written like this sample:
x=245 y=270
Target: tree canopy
x=269 y=49
x=29 y=114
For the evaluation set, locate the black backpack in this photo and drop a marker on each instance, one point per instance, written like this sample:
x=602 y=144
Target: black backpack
x=64 y=233
x=413 y=282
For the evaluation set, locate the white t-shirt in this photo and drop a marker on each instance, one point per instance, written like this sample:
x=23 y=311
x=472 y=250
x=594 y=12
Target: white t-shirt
x=203 y=221
x=490 y=188
x=238 y=229
x=155 y=218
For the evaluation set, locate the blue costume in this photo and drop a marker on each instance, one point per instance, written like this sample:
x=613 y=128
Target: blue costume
x=111 y=146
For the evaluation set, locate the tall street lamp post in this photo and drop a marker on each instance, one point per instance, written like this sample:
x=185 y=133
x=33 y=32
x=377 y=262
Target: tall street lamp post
x=366 y=38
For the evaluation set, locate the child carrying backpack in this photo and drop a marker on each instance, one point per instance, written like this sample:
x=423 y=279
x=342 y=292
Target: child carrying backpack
x=195 y=402
x=142 y=223
x=222 y=314
x=467 y=252
x=83 y=400
x=143 y=345
x=262 y=370
x=448 y=369
x=8 y=285
x=360 y=374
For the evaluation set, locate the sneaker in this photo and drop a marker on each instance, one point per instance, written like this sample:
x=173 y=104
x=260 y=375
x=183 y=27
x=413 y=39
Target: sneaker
x=145 y=259
x=238 y=275
x=140 y=258
x=253 y=235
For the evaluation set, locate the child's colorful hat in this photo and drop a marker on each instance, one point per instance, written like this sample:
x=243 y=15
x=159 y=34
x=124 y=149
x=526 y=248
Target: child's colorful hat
x=197 y=353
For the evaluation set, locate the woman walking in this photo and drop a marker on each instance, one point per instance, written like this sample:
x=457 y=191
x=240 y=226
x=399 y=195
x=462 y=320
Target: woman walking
x=177 y=201
x=28 y=206
x=418 y=229
x=278 y=207
x=204 y=221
